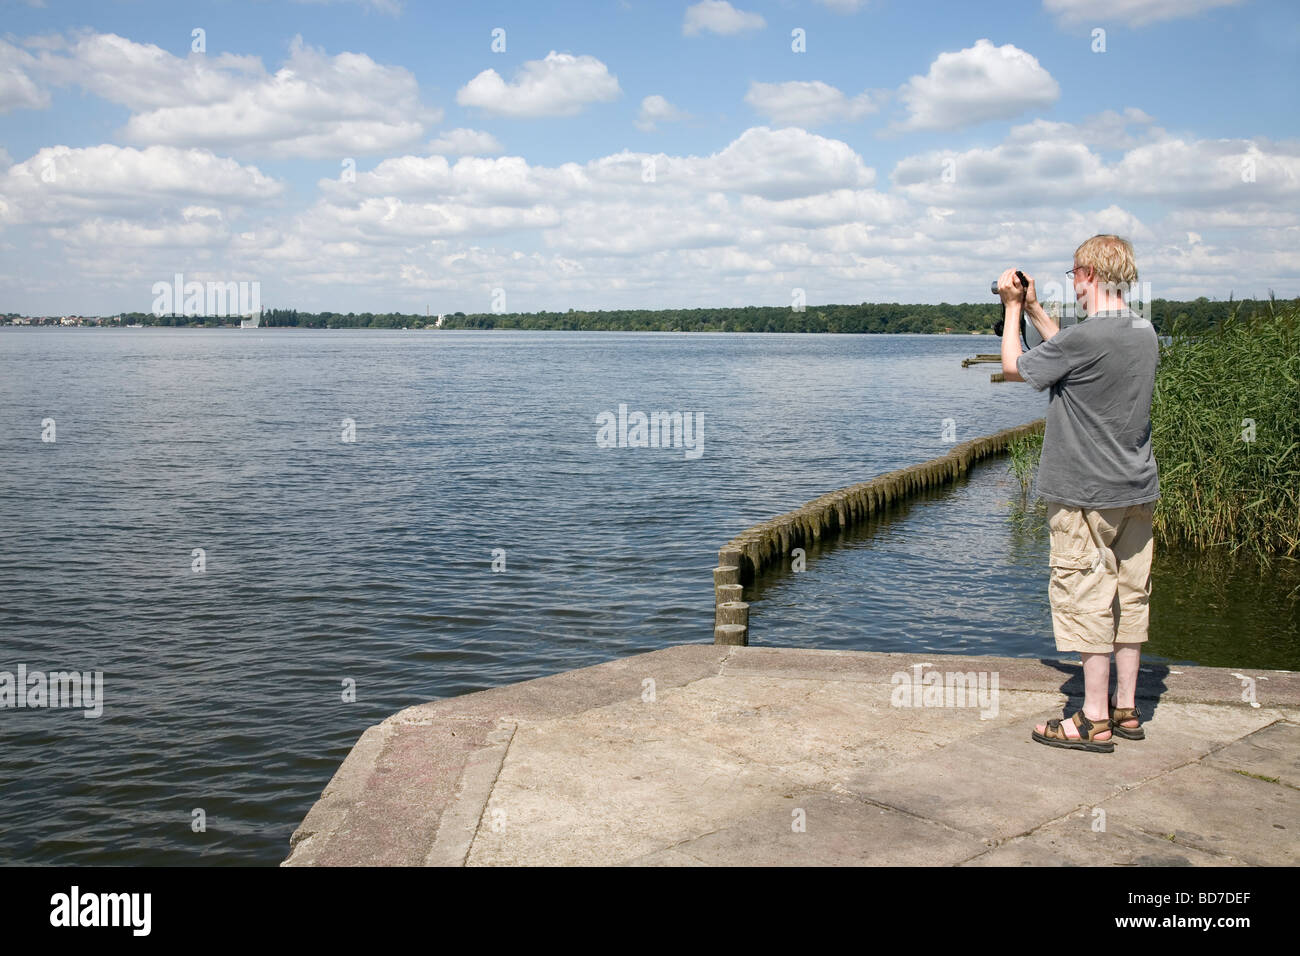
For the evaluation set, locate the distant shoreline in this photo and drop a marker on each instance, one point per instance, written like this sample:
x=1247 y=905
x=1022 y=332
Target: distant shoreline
x=865 y=318
x=373 y=328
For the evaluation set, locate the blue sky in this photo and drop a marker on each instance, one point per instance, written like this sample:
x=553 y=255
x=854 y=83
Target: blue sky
x=909 y=152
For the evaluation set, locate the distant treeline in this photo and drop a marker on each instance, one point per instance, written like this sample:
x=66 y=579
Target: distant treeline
x=867 y=317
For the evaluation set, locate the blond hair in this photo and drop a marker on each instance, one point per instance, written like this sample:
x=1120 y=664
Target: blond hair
x=1110 y=258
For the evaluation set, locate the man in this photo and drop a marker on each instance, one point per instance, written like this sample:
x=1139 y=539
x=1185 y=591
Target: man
x=1099 y=478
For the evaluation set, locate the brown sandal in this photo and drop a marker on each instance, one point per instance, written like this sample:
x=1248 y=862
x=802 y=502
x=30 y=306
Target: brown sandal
x=1120 y=714
x=1080 y=735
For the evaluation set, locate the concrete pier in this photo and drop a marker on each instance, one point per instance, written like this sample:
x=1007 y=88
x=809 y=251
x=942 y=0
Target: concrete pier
x=704 y=754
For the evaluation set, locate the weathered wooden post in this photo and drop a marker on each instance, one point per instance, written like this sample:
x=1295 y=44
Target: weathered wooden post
x=726 y=574
x=732 y=614
x=726 y=594
x=731 y=556
x=733 y=634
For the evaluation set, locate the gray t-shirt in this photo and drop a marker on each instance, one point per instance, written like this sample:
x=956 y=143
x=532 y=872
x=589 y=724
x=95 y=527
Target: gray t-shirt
x=1097 y=444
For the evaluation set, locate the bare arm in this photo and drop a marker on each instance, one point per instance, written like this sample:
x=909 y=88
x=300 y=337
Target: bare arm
x=1043 y=322
x=1011 y=349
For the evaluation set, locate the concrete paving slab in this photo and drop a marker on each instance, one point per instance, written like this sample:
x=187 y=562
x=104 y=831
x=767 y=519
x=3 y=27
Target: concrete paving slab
x=566 y=798
x=746 y=736
x=573 y=691
x=999 y=783
x=1217 y=811
x=460 y=821
x=698 y=753
x=1272 y=752
x=989 y=794
x=837 y=830
x=1076 y=841
x=412 y=781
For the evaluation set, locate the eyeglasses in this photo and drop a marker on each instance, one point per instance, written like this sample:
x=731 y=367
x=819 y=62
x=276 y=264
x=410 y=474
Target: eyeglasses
x=1071 y=272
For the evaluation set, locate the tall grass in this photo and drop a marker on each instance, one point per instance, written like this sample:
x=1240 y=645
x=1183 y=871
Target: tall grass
x=1025 y=452
x=1225 y=429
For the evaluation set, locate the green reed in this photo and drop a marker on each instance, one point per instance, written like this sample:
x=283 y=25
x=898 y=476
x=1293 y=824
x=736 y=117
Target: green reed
x=1024 y=452
x=1225 y=429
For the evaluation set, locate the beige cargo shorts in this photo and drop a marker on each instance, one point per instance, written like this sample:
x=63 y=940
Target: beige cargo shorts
x=1101 y=575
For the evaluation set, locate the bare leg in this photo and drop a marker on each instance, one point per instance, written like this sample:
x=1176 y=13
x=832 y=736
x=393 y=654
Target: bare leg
x=1127 y=658
x=1096 y=688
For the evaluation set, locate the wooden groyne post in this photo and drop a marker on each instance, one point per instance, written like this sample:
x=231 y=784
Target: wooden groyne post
x=746 y=556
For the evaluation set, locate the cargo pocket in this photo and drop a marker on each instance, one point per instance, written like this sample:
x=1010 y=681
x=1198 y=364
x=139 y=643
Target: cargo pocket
x=1080 y=581
x=1074 y=559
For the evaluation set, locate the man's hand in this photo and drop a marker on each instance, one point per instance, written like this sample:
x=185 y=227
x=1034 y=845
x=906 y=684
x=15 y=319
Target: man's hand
x=1009 y=289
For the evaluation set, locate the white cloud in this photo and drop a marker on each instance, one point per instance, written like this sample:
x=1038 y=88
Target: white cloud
x=719 y=16
x=45 y=41
x=1243 y=216
x=189 y=232
x=977 y=84
x=645 y=229
x=1180 y=271
x=655 y=109
x=466 y=142
x=18 y=91
x=777 y=164
x=772 y=210
x=1133 y=12
x=1054 y=164
x=808 y=103
x=387 y=220
x=142 y=76
x=843 y=6
x=1032 y=174
x=471 y=180
x=829 y=208
x=1106 y=130
x=315 y=105
x=60 y=185
x=560 y=85
x=1210 y=172
x=772 y=164
x=786 y=180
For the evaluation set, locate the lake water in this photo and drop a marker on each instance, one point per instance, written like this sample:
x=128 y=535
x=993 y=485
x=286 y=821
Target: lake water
x=329 y=564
